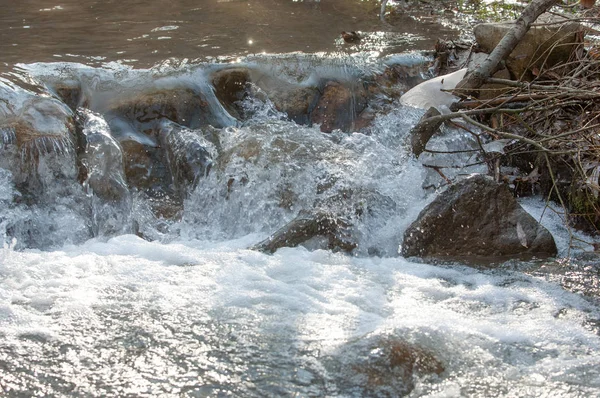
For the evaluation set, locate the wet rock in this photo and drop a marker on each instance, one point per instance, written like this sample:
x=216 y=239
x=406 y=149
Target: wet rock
x=357 y=202
x=248 y=149
x=257 y=144
x=231 y=88
x=165 y=207
x=101 y=157
x=386 y=366
x=188 y=155
x=297 y=103
x=479 y=220
x=139 y=160
x=339 y=106
x=396 y=79
x=147 y=110
x=308 y=226
x=37 y=125
x=69 y=93
x=295 y=100
x=35 y=130
x=543 y=46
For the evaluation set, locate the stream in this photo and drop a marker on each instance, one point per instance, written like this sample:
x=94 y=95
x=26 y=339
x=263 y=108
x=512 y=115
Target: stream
x=144 y=151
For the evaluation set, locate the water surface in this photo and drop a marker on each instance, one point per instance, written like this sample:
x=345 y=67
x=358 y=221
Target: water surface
x=145 y=32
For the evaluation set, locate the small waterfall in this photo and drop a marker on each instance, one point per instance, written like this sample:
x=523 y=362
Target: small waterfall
x=160 y=152
x=103 y=176
x=189 y=154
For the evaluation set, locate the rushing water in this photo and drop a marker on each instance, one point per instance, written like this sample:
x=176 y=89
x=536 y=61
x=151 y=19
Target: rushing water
x=101 y=294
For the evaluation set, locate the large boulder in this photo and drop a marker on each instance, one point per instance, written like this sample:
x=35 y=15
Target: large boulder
x=548 y=43
x=476 y=219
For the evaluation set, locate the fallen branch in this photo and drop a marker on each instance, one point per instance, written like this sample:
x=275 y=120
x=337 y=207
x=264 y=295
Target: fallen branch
x=476 y=78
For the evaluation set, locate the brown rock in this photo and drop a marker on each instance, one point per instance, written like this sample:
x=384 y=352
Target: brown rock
x=338 y=107
x=188 y=155
x=295 y=100
x=183 y=106
x=297 y=103
x=43 y=125
x=587 y=3
x=139 y=162
x=476 y=219
x=306 y=227
x=388 y=366
x=230 y=88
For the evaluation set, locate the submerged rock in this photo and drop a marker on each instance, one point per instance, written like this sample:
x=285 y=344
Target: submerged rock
x=183 y=106
x=188 y=155
x=476 y=219
x=386 y=366
x=297 y=102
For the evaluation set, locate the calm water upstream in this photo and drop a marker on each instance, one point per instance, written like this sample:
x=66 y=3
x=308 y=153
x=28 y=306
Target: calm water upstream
x=146 y=32
x=135 y=277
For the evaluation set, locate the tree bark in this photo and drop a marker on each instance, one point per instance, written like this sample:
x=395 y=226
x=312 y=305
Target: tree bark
x=421 y=134
x=475 y=79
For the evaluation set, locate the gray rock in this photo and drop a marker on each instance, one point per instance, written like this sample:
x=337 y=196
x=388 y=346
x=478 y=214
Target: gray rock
x=479 y=220
x=101 y=157
x=189 y=155
x=543 y=46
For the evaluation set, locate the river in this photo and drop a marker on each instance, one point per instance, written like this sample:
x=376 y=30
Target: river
x=109 y=287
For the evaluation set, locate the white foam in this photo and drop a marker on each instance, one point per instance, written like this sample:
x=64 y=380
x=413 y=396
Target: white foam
x=472 y=319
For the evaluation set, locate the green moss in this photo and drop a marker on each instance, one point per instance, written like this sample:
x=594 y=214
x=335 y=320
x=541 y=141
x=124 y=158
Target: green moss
x=584 y=206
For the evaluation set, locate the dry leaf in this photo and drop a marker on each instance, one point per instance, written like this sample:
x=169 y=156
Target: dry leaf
x=521 y=235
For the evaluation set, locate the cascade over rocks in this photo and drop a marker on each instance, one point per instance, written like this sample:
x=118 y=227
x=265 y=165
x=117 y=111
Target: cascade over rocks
x=339 y=106
x=332 y=103
x=476 y=219
x=143 y=138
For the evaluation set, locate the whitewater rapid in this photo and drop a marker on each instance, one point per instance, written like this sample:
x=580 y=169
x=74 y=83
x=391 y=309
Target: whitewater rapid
x=191 y=311
x=127 y=316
